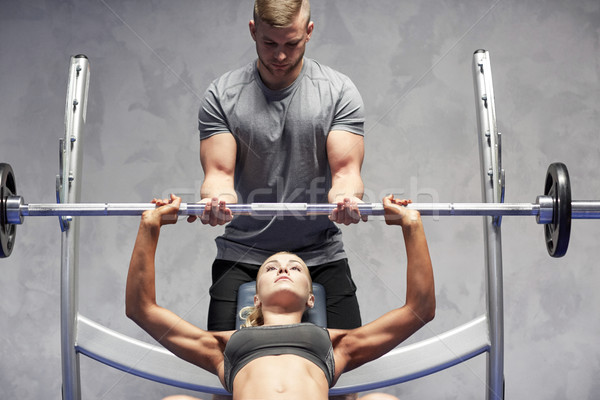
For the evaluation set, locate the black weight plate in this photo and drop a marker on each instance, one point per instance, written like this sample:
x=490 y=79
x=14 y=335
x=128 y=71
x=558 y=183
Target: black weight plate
x=7 y=231
x=558 y=186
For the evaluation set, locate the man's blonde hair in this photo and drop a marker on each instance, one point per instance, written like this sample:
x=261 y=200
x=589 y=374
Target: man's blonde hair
x=280 y=13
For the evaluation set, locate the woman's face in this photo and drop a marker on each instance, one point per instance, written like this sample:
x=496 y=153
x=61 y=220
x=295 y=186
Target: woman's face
x=282 y=277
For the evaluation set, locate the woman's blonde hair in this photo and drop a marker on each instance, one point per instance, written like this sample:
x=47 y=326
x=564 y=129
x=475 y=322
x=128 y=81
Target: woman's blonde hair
x=252 y=315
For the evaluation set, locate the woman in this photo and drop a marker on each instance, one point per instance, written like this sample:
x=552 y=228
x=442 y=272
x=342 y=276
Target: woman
x=282 y=358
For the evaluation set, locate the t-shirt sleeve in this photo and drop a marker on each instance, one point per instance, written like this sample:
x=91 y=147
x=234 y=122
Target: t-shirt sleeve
x=211 y=118
x=349 y=113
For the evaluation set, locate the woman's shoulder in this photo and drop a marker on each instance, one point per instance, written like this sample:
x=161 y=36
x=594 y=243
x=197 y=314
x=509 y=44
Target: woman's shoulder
x=222 y=336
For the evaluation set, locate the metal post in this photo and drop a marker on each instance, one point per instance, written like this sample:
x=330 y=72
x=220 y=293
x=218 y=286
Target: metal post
x=492 y=185
x=69 y=191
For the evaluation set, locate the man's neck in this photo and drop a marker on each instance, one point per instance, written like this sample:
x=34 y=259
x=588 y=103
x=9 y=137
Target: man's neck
x=274 y=83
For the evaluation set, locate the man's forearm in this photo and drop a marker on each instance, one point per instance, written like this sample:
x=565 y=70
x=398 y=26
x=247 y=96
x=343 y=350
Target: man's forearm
x=221 y=189
x=348 y=186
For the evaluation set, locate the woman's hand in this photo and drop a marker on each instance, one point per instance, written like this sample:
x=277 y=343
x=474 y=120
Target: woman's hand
x=396 y=212
x=165 y=212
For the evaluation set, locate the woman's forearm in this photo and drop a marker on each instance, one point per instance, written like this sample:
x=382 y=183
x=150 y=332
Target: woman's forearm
x=420 y=292
x=140 y=289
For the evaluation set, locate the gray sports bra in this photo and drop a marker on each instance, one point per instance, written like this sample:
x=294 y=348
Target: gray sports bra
x=305 y=340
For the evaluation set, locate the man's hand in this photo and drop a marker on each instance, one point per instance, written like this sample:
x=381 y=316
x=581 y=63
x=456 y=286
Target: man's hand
x=347 y=212
x=215 y=212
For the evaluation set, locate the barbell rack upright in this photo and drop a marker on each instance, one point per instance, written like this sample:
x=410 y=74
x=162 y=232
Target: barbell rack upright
x=492 y=188
x=68 y=190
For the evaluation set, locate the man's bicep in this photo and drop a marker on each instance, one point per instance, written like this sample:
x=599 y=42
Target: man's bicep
x=345 y=151
x=217 y=156
x=218 y=153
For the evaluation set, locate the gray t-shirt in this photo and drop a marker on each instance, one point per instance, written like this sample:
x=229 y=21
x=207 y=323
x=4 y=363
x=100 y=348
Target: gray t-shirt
x=281 y=156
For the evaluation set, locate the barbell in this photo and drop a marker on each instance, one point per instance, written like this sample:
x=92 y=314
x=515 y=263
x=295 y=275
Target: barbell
x=554 y=209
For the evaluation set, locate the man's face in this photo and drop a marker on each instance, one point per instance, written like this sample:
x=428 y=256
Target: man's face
x=280 y=50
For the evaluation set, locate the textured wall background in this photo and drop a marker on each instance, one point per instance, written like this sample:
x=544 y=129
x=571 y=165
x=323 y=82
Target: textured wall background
x=150 y=63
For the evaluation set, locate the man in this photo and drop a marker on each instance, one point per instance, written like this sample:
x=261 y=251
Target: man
x=281 y=129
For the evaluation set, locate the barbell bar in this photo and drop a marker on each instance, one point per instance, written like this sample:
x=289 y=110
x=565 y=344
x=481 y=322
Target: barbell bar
x=16 y=209
x=554 y=209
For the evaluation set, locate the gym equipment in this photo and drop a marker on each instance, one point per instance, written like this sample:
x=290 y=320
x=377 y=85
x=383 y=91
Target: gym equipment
x=554 y=209
x=484 y=334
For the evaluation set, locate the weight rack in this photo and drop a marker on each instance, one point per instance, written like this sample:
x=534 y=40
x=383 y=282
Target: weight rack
x=80 y=335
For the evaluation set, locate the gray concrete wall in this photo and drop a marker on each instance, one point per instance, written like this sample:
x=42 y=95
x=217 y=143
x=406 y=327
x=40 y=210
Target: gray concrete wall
x=150 y=63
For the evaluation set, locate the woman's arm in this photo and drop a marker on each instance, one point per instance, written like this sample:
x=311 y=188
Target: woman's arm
x=355 y=347
x=185 y=340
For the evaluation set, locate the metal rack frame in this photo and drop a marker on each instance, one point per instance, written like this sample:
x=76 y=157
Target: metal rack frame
x=80 y=335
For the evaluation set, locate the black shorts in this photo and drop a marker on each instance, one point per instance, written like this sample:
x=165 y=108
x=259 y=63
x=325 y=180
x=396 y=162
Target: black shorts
x=227 y=276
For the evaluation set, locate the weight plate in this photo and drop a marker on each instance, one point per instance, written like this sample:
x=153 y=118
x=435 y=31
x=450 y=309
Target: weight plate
x=7 y=231
x=558 y=232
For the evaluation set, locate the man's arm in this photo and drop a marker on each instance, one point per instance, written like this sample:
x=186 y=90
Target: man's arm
x=217 y=156
x=345 y=152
